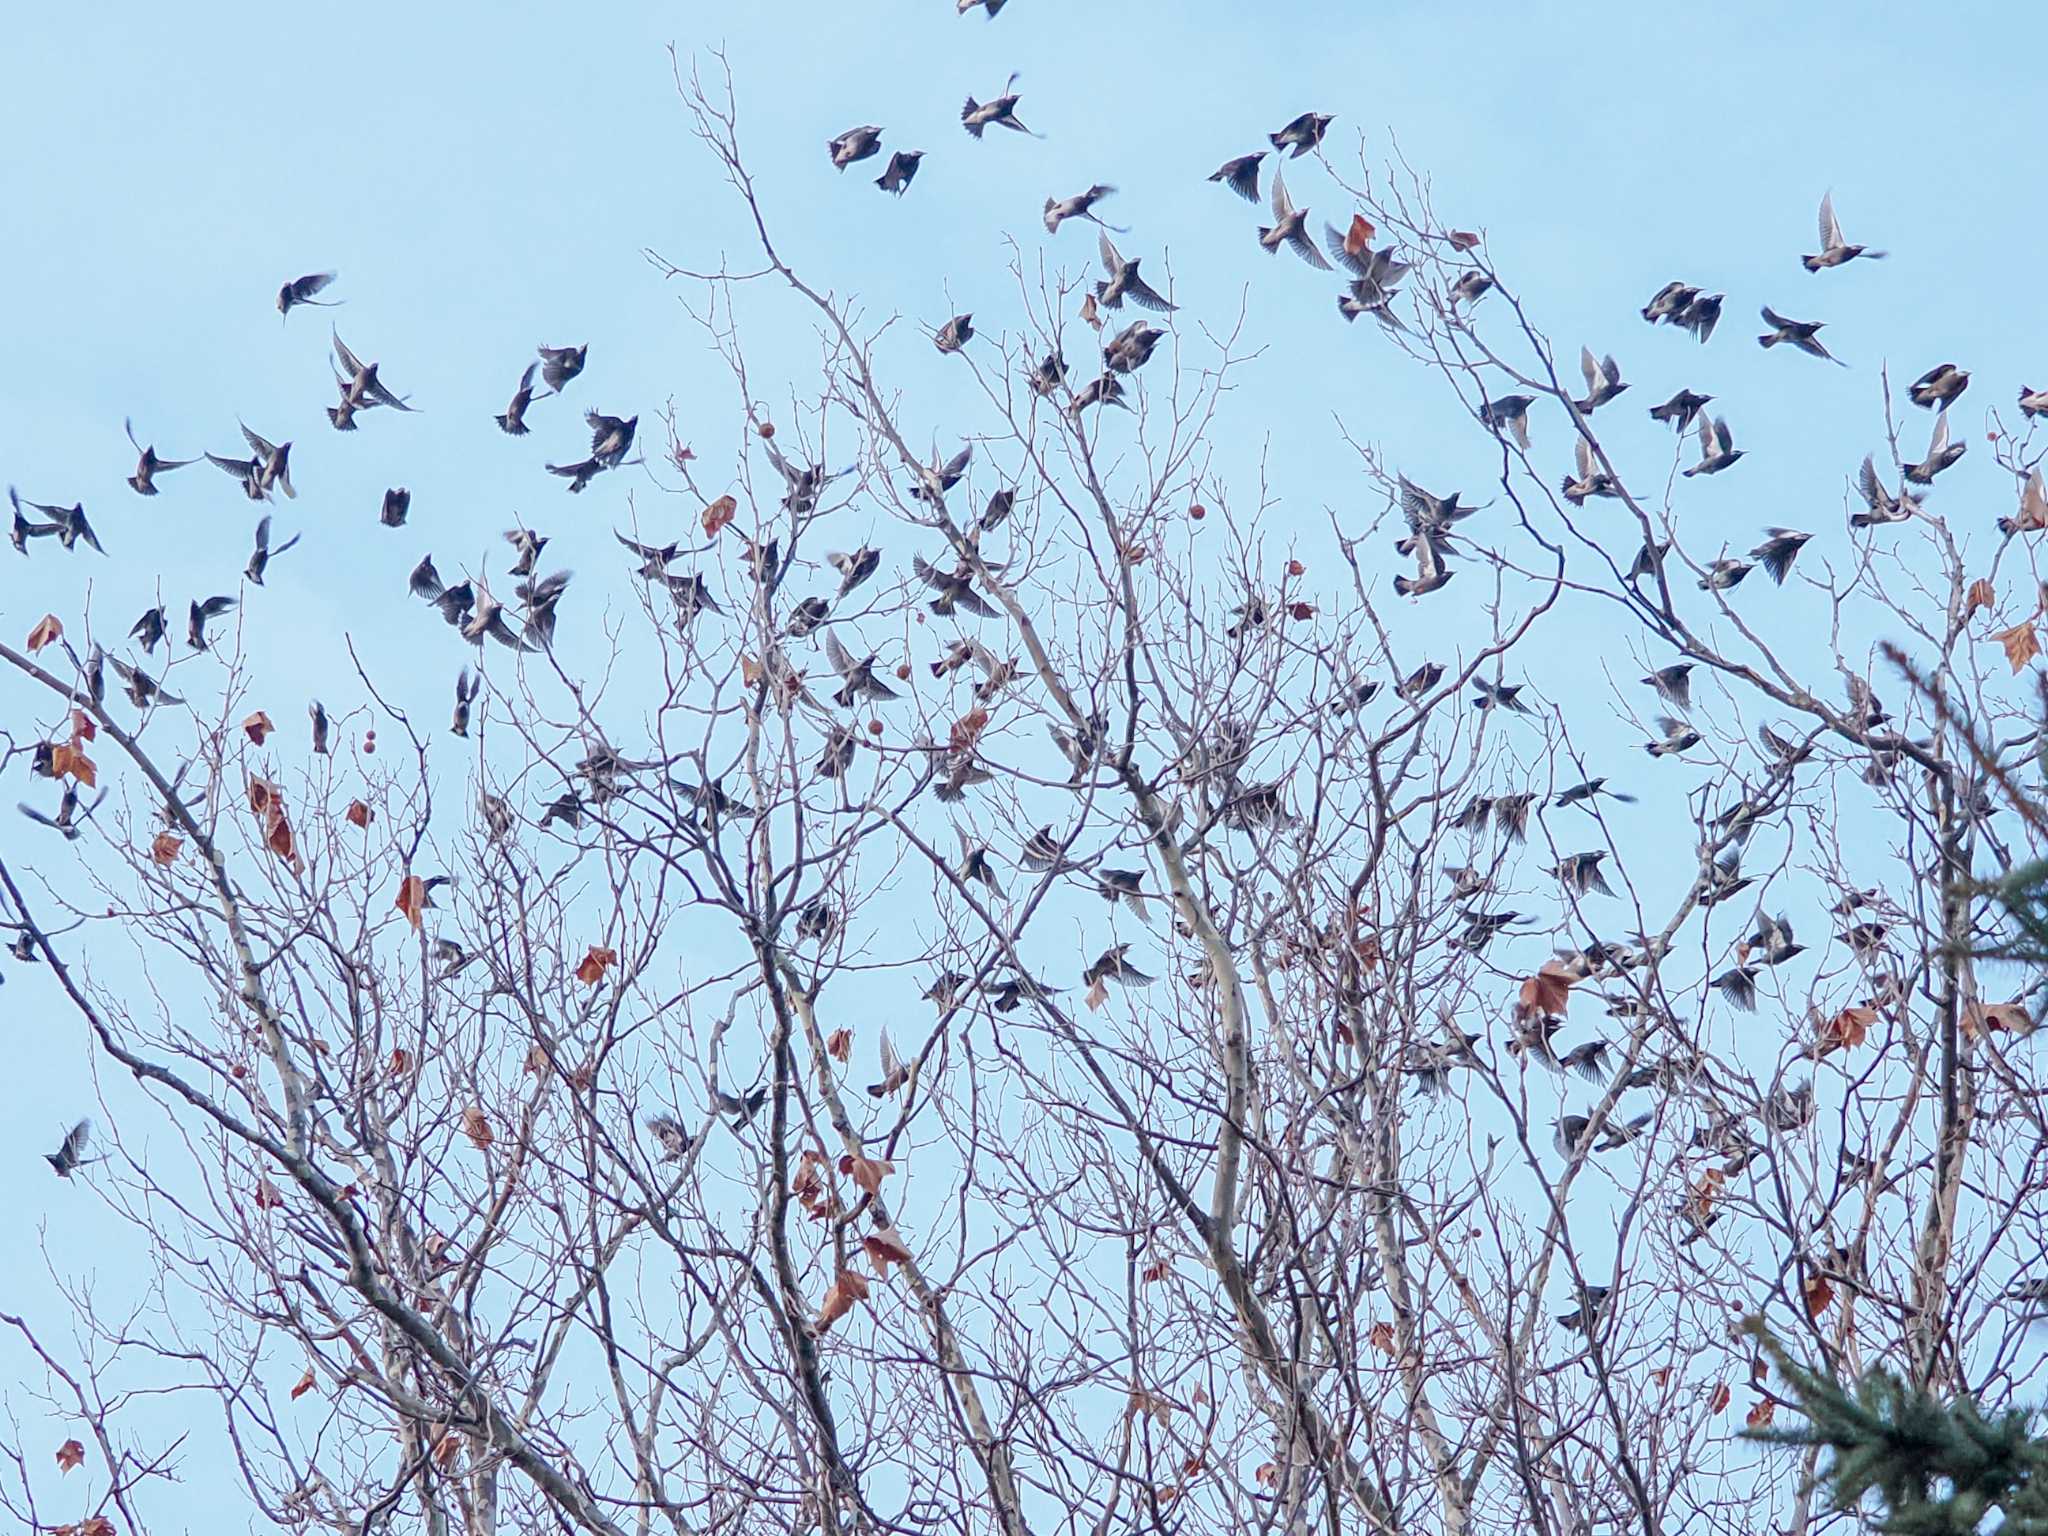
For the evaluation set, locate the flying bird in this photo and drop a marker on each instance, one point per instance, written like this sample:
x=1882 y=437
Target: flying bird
x=148 y=466
x=259 y=561
x=1080 y=206
x=1803 y=334
x=1941 y=453
x=558 y=365
x=1669 y=302
x=1289 y=227
x=1880 y=505
x=1304 y=133
x=1241 y=175
x=1591 y=480
x=513 y=422
x=954 y=334
x=301 y=290
x=364 y=388
x=1603 y=380
x=202 y=613
x=1510 y=413
x=1680 y=410
x=1717 y=447
x=396 y=504
x=1124 y=282
x=1779 y=549
x=1834 y=250
x=900 y=171
x=1939 y=386
x=70 y=1153
x=854 y=144
x=999 y=113
x=1676 y=737
x=860 y=679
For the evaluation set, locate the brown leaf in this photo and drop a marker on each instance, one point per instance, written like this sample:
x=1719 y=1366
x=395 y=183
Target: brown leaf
x=263 y=794
x=83 y=727
x=1301 y=612
x=1382 y=1337
x=845 y=1290
x=164 y=850
x=1846 y=1029
x=446 y=1449
x=595 y=964
x=537 y=1062
x=867 y=1172
x=751 y=672
x=1267 y=1475
x=1661 y=1376
x=71 y=760
x=1089 y=314
x=304 y=1385
x=476 y=1125
x=1981 y=596
x=839 y=1045
x=1989 y=1018
x=1706 y=1192
x=70 y=1454
x=258 y=726
x=967 y=730
x=1547 y=992
x=1097 y=995
x=267 y=1196
x=47 y=630
x=1819 y=1295
x=1718 y=1400
x=277 y=835
x=718 y=514
x=1765 y=1410
x=412 y=899
x=400 y=1063
x=2021 y=644
x=1296 y=568
x=882 y=1250
x=1156 y=1271
x=1358 y=238
x=358 y=814
x=1463 y=240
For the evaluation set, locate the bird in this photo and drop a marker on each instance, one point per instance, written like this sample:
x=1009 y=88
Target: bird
x=1494 y=695
x=1779 y=549
x=999 y=113
x=1803 y=334
x=1376 y=283
x=1701 y=315
x=67 y=523
x=467 y=686
x=741 y=1108
x=2033 y=513
x=817 y=920
x=1127 y=886
x=1717 y=447
x=1289 y=226
x=558 y=365
x=273 y=465
x=148 y=630
x=1241 y=175
x=1880 y=505
x=955 y=588
x=860 y=679
x=1431 y=570
x=1128 y=351
x=991 y=6
x=260 y=560
x=1738 y=985
x=1581 y=871
x=854 y=144
x=1470 y=288
x=2033 y=402
x=1511 y=815
x=1621 y=1135
x=1592 y=1301
x=70 y=1153
x=1124 y=282
x=1304 y=133
x=1603 y=380
x=201 y=614
x=1772 y=943
x=1510 y=413
x=1724 y=573
x=1941 y=453
x=69 y=822
x=669 y=1134
x=1591 y=480
x=1649 y=559
x=301 y=290
x=486 y=619
x=611 y=437
x=954 y=334
x=1080 y=206
x=148 y=465
x=1420 y=681
x=513 y=422
x=1680 y=409
x=901 y=170
x=1111 y=965
x=1105 y=389
x=838 y=754
x=528 y=545
x=855 y=568
x=1569 y=1132
x=396 y=504
x=1674 y=737
x=1939 y=386
x=976 y=862
x=364 y=387
x=1669 y=302
x=143 y=690
x=1585 y=793
x=894 y=1073
x=1834 y=250
x=23 y=530
x=1673 y=683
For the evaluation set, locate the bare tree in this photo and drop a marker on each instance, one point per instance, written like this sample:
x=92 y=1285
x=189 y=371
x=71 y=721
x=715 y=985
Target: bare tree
x=1061 y=1013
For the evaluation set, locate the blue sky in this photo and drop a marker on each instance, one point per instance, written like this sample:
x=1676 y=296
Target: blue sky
x=483 y=185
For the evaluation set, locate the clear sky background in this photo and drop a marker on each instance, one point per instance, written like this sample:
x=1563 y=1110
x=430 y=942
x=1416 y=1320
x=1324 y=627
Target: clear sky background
x=486 y=178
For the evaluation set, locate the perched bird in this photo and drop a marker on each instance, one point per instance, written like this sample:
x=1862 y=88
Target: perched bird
x=1676 y=737
x=260 y=560
x=1591 y=479
x=70 y=1153
x=1592 y=1301
x=1304 y=133
x=1241 y=175
x=1124 y=282
x=301 y=290
x=558 y=365
x=1080 y=206
x=396 y=504
x=1880 y=505
x=1941 y=453
x=1724 y=573
x=1834 y=250
x=1680 y=409
x=467 y=685
x=1779 y=549
x=513 y=421
x=817 y=920
x=148 y=466
x=1803 y=334
x=202 y=613
x=860 y=679
x=999 y=113
x=854 y=144
x=954 y=334
x=1420 y=681
x=1510 y=413
x=1717 y=447
x=1569 y=1133
x=1673 y=683
x=901 y=170
x=1603 y=380
x=1939 y=386
x=1289 y=226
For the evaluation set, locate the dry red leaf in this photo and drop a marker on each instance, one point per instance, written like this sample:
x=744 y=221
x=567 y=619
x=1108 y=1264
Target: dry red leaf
x=1358 y=238
x=1547 y=992
x=1981 y=596
x=1156 y=1271
x=1089 y=314
x=867 y=1172
x=1819 y=1295
x=1718 y=1399
x=1267 y=1475
x=1463 y=239
x=303 y=1385
x=258 y=726
x=164 y=849
x=1661 y=1376
x=1991 y=1018
x=1381 y=1337
x=595 y=963
x=1846 y=1029
x=476 y=1125
x=1302 y=612
x=839 y=1045
x=446 y=1449
x=83 y=727
x=844 y=1291
x=267 y=1196
x=1706 y=1192
x=882 y=1250
x=2021 y=644
x=70 y=760
x=967 y=730
x=263 y=794
x=1761 y=1415
x=70 y=1454
x=718 y=514
x=412 y=898
x=277 y=835
x=46 y=631
x=537 y=1062
x=358 y=814
x=400 y=1063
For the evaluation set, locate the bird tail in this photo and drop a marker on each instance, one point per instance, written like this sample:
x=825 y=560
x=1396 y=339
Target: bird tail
x=1769 y=341
x=1272 y=247
x=513 y=428
x=968 y=112
x=1811 y=263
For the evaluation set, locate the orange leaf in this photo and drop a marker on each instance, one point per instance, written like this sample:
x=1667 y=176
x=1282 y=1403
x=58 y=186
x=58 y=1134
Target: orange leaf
x=263 y=794
x=1358 y=238
x=1097 y=995
x=847 y=1289
x=1547 y=992
x=1661 y=1376
x=883 y=1250
x=1981 y=596
x=1089 y=314
x=446 y=1449
x=718 y=514
x=1819 y=1295
x=1719 y=1400
x=277 y=835
x=164 y=850
x=1268 y=1475
x=82 y=727
x=258 y=726
x=1765 y=1410
x=1382 y=1337
x=70 y=1454
x=1990 y=1018
x=304 y=1385
x=594 y=965
x=412 y=898
x=2021 y=644
x=47 y=629
x=1846 y=1029
x=477 y=1127
x=400 y=1063
x=71 y=760
x=358 y=814
x=839 y=1045
x=867 y=1172
x=967 y=730
x=1464 y=239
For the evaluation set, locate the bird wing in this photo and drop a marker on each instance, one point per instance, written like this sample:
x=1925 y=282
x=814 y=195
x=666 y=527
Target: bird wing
x=1939 y=445
x=1830 y=230
x=1112 y=263
x=263 y=534
x=1872 y=493
x=1145 y=296
x=1585 y=457
x=842 y=663
x=348 y=359
x=310 y=284
x=1283 y=205
x=128 y=426
x=1589 y=368
x=1306 y=249
x=1721 y=432
x=1244 y=177
x=262 y=448
x=239 y=468
x=1775 y=320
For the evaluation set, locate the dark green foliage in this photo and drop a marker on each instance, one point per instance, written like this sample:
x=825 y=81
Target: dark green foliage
x=1937 y=1469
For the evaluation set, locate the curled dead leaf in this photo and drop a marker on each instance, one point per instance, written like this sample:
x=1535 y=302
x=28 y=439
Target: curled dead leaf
x=46 y=631
x=844 y=1291
x=476 y=1125
x=867 y=1172
x=2021 y=644
x=1717 y=1400
x=412 y=898
x=1463 y=240
x=595 y=964
x=83 y=727
x=164 y=848
x=1818 y=1294
x=70 y=1454
x=303 y=1385
x=1547 y=992
x=839 y=1045
x=257 y=727
x=1358 y=238
x=718 y=514
x=358 y=814
x=883 y=1249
